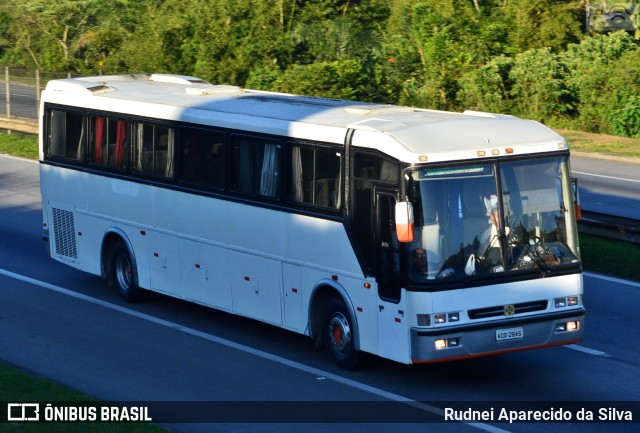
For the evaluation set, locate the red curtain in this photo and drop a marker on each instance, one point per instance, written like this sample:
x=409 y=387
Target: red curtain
x=121 y=135
x=98 y=139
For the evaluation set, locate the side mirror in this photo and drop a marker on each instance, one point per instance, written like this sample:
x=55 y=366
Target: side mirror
x=404 y=221
x=576 y=199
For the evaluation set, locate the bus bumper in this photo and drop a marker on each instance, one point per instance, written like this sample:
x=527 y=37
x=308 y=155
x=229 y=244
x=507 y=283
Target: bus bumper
x=488 y=338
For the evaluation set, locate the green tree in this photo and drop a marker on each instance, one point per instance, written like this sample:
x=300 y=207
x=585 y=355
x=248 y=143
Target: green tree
x=538 y=87
x=49 y=32
x=489 y=88
x=602 y=74
x=542 y=23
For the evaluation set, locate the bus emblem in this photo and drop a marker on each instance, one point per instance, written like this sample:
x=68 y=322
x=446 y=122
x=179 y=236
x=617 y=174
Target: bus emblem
x=509 y=310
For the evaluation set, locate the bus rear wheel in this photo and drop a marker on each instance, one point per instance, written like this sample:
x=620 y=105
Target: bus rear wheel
x=122 y=273
x=339 y=335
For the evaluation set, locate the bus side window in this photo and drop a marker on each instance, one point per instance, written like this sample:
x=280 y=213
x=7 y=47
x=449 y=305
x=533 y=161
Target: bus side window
x=256 y=166
x=203 y=158
x=108 y=141
x=316 y=176
x=66 y=134
x=154 y=149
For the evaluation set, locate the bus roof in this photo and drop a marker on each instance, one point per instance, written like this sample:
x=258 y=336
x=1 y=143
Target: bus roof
x=410 y=134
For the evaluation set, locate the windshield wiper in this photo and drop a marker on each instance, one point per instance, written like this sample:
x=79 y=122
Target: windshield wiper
x=532 y=253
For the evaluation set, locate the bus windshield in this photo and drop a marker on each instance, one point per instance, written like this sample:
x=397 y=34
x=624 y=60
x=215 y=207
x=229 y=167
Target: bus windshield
x=492 y=220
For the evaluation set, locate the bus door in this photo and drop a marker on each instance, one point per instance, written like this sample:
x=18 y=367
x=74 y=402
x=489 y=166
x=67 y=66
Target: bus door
x=387 y=256
x=392 y=318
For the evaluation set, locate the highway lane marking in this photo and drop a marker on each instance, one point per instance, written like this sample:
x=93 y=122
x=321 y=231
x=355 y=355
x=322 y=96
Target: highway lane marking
x=612 y=279
x=587 y=350
x=606 y=177
x=250 y=350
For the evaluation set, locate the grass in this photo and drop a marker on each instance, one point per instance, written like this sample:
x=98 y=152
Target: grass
x=600 y=143
x=17 y=144
x=17 y=386
x=610 y=257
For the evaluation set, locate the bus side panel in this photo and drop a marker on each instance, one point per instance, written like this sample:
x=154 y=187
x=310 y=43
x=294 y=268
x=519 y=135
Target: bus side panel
x=90 y=234
x=192 y=216
x=205 y=274
x=294 y=312
x=65 y=195
x=119 y=200
x=164 y=263
x=394 y=324
x=256 y=229
x=256 y=283
x=320 y=243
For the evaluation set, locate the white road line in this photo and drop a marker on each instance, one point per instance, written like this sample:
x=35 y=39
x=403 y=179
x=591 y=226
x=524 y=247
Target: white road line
x=246 y=349
x=606 y=177
x=587 y=350
x=612 y=279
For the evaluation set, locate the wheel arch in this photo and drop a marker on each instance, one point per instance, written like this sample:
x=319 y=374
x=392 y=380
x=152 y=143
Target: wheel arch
x=111 y=236
x=322 y=293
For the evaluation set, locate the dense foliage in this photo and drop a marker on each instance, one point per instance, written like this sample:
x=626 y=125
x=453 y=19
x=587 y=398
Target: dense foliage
x=530 y=58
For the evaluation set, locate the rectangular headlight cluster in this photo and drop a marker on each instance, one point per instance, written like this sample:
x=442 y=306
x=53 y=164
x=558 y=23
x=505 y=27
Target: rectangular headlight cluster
x=449 y=342
x=438 y=318
x=568 y=301
x=571 y=326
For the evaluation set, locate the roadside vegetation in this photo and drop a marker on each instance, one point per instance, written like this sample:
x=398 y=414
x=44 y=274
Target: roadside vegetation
x=534 y=59
x=17 y=386
x=14 y=144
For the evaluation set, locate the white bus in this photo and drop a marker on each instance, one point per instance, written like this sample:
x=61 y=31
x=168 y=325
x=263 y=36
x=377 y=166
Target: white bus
x=411 y=234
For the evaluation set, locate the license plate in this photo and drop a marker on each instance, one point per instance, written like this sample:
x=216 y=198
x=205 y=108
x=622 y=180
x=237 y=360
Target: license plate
x=509 y=333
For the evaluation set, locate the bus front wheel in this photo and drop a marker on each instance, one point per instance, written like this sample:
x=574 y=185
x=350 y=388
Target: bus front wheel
x=339 y=335
x=122 y=274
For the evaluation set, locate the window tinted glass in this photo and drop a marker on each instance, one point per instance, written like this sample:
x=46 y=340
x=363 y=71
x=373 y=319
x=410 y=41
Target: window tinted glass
x=108 y=141
x=316 y=176
x=256 y=166
x=153 y=149
x=203 y=157
x=66 y=134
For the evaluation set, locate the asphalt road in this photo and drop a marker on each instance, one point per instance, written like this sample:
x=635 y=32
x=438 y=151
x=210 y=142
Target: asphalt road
x=67 y=326
x=22 y=102
x=608 y=186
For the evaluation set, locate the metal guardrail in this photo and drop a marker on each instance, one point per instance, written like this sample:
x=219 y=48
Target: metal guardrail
x=610 y=227
x=19 y=125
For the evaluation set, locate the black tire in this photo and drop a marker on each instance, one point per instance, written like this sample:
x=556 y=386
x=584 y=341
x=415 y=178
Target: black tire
x=339 y=335
x=122 y=273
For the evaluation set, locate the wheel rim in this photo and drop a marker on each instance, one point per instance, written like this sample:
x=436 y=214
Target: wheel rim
x=340 y=333
x=124 y=274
